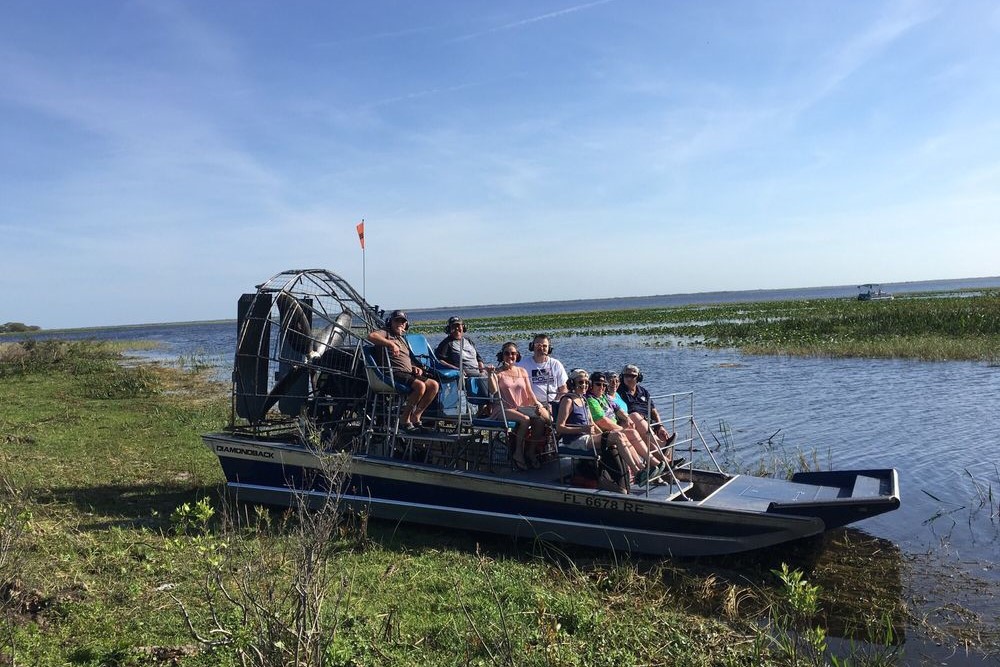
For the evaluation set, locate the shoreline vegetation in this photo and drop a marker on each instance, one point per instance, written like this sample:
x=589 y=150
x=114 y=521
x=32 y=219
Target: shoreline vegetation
x=928 y=326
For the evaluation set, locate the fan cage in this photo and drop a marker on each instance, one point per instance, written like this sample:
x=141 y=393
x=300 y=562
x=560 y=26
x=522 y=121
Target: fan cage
x=298 y=373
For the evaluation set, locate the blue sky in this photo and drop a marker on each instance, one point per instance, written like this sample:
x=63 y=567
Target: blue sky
x=160 y=158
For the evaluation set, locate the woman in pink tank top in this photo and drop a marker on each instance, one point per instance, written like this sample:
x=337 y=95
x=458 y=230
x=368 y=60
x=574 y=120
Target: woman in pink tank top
x=512 y=384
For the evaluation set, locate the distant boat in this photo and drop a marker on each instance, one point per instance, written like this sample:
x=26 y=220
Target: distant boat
x=872 y=292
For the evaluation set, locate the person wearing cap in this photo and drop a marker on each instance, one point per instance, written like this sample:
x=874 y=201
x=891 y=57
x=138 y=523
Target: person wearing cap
x=612 y=419
x=637 y=421
x=641 y=407
x=407 y=373
x=458 y=351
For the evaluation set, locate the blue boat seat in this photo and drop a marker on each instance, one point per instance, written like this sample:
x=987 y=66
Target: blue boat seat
x=380 y=379
x=447 y=402
x=425 y=355
x=478 y=389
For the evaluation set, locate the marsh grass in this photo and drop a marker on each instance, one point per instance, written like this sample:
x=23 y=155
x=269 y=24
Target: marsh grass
x=927 y=327
x=197 y=362
x=14 y=602
x=987 y=491
x=767 y=457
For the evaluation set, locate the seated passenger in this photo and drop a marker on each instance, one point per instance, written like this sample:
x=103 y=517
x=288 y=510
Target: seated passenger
x=577 y=430
x=519 y=402
x=641 y=409
x=637 y=421
x=611 y=418
x=547 y=374
x=406 y=370
x=458 y=350
x=614 y=381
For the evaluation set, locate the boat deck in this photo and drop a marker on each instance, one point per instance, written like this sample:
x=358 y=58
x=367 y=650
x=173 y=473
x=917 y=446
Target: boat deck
x=757 y=493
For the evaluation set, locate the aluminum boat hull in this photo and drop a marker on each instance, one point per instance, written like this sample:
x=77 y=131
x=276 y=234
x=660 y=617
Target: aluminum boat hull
x=732 y=514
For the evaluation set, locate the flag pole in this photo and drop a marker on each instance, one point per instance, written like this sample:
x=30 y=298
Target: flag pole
x=364 y=273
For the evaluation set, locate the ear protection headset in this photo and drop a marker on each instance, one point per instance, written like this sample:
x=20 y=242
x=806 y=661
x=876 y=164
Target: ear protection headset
x=637 y=371
x=503 y=349
x=531 y=345
x=575 y=376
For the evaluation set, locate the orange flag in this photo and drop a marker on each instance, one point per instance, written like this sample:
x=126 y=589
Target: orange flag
x=361 y=233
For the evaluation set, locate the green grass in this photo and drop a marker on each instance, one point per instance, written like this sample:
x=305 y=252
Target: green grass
x=97 y=575
x=924 y=327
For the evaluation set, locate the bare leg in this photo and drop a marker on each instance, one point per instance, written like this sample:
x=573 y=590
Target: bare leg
x=629 y=455
x=539 y=424
x=427 y=395
x=522 y=430
x=408 y=414
x=653 y=453
x=655 y=443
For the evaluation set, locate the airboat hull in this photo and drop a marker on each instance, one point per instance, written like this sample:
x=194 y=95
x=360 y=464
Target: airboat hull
x=726 y=514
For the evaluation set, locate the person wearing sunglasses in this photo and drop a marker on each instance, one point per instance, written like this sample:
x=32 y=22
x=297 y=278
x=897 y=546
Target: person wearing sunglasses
x=640 y=406
x=407 y=372
x=637 y=421
x=612 y=419
x=512 y=384
x=577 y=430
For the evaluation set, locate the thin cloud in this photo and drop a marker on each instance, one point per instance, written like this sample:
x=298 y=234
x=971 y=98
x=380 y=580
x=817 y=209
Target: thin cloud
x=534 y=19
x=861 y=50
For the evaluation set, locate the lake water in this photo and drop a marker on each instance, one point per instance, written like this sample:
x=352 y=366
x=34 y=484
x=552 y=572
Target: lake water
x=938 y=423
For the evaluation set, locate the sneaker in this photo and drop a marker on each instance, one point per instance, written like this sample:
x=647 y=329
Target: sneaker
x=678 y=462
x=660 y=469
x=642 y=477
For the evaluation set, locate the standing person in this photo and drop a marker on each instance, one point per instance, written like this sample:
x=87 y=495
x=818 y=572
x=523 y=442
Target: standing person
x=409 y=377
x=547 y=374
x=458 y=350
x=641 y=407
x=519 y=402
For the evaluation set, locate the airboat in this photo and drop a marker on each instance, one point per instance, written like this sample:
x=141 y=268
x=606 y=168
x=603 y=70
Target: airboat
x=872 y=292
x=314 y=416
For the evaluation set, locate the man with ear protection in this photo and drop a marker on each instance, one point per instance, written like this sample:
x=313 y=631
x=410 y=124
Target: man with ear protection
x=548 y=375
x=457 y=349
x=640 y=405
x=407 y=373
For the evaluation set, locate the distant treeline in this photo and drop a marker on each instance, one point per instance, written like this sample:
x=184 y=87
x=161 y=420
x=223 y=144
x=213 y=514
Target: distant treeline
x=17 y=327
